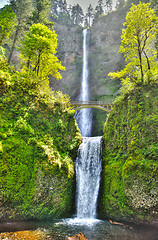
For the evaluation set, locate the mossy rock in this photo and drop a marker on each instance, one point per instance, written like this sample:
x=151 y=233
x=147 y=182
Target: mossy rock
x=129 y=184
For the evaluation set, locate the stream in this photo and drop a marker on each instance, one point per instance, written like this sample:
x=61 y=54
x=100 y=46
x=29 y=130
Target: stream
x=92 y=229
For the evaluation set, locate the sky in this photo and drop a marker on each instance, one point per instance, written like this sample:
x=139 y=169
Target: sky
x=2 y=3
x=83 y=3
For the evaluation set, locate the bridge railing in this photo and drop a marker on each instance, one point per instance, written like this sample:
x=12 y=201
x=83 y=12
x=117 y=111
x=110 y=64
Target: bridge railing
x=99 y=103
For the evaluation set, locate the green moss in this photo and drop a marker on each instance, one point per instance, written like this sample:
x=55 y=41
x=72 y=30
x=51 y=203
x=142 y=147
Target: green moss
x=39 y=139
x=129 y=186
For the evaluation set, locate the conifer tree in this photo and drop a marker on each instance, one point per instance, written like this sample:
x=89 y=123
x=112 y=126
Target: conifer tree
x=54 y=8
x=77 y=14
x=23 y=10
x=64 y=14
x=7 y=22
x=63 y=6
x=90 y=14
x=41 y=12
x=99 y=9
x=86 y=21
x=108 y=5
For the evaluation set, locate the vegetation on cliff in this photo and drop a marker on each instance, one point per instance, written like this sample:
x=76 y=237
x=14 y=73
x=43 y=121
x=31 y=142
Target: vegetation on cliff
x=38 y=143
x=137 y=47
x=38 y=136
x=129 y=180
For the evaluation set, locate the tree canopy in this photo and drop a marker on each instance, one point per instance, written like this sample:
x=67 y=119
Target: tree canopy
x=23 y=10
x=7 y=22
x=38 y=51
x=77 y=14
x=137 y=45
x=41 y=12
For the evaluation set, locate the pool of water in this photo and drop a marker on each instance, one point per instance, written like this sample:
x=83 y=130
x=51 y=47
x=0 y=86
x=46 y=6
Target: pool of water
x=92 y=229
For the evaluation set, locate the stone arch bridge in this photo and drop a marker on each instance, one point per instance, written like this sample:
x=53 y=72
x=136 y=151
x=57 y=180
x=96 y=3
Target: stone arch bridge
x=77 y=105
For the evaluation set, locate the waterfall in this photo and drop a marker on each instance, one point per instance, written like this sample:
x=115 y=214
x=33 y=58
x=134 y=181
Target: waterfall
x=84 y=116
x=88 y=162
x=88 y=169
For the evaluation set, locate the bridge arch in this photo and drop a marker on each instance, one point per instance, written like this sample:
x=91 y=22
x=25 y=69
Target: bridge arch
x=78 y=105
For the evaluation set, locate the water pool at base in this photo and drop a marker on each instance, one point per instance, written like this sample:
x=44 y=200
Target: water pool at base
x=93 y=229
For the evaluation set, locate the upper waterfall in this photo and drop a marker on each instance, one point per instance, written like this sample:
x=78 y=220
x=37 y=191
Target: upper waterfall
x=84 y=116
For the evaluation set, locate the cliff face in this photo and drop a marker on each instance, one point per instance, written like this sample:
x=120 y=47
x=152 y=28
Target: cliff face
x=129 y=185
x=103 y=58
x=70 y=54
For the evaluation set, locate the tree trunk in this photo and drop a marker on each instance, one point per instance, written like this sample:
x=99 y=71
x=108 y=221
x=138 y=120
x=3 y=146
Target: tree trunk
x=28 y=63
x=140 y=60
x=37 y=66
x=14 y=41
x=147 y=59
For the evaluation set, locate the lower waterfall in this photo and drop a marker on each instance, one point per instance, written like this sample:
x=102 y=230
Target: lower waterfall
x=88 y=169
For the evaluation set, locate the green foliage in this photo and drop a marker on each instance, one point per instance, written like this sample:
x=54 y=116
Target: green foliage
x=2 y=52
x=17 y=170
x=77 y=14
x=154 y=4
x=41 y=12
x=65 y=15
x=5 y=71
x=38 y=143
x=23 y=10
x=138 y=48
x=38 y=51
x=7 y=22
x=129 y=185
x=98 y=10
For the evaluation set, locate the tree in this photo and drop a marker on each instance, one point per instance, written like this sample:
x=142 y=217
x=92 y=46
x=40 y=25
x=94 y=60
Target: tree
x=60 y=12
x=63 y=13
x=7 y=22
x=54 y=8
x=155 y=6
x=90 y=14
x=108 y=5
x=38 y=51
x=63 y=7
x=23 y=10
x=41 y=12
x=86 y=21
x=99 y=9
x=77 y=14
x=137 y=45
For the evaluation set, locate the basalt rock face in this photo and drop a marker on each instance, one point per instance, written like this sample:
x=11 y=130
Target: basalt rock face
x=70 y=54
x=103 y=58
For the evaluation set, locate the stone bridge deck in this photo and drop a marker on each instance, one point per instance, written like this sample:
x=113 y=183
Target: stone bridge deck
x=92 y=104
